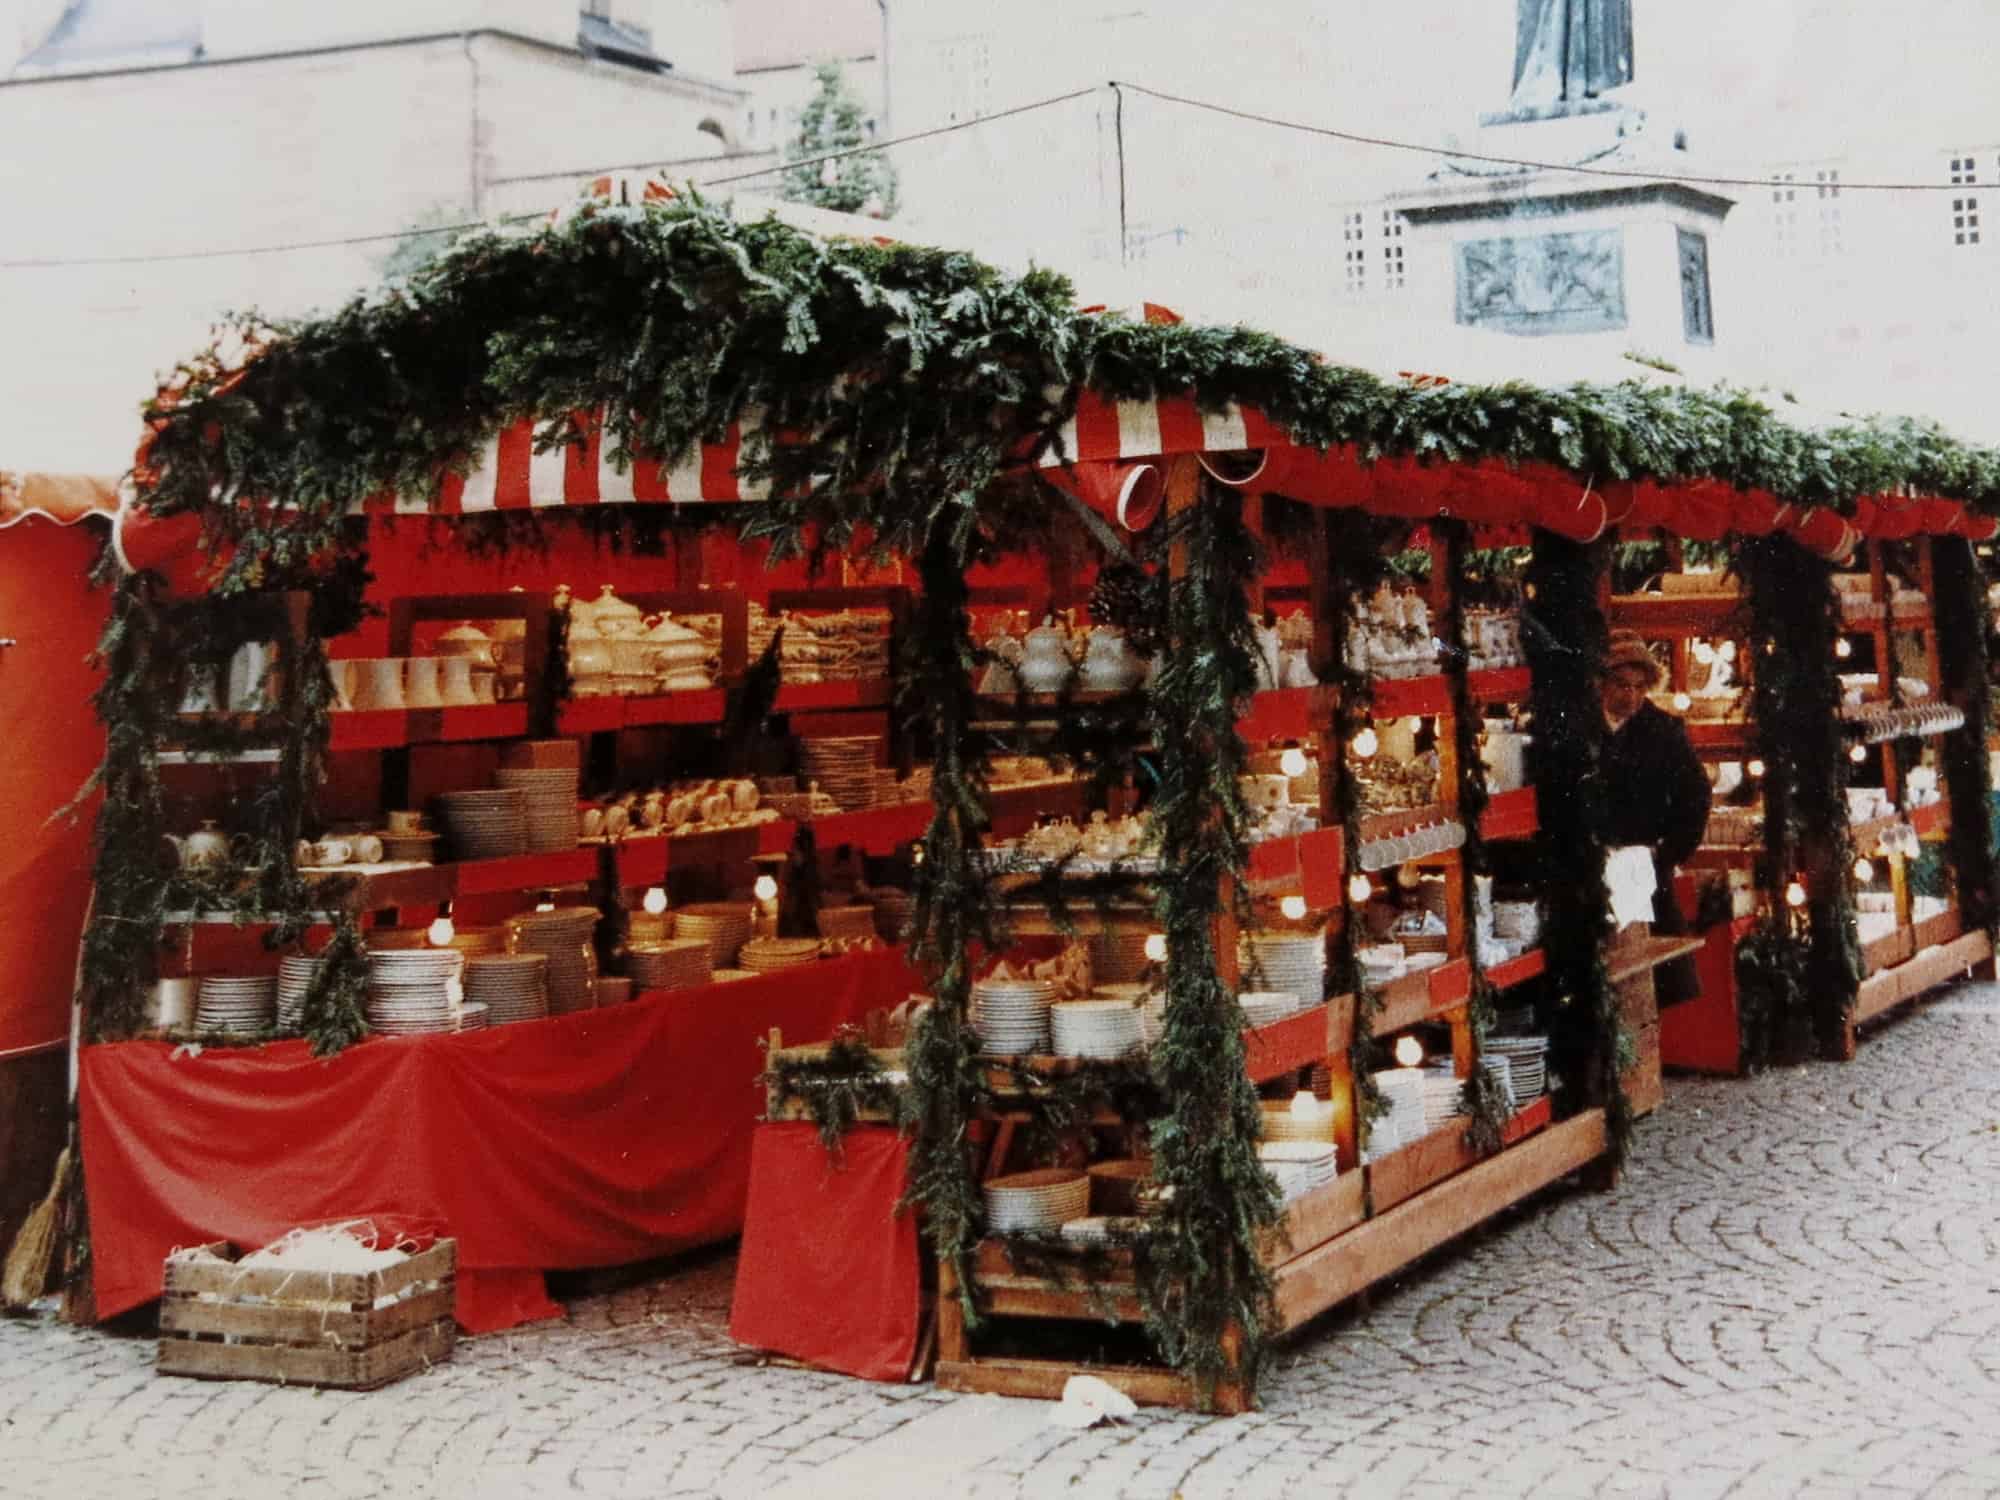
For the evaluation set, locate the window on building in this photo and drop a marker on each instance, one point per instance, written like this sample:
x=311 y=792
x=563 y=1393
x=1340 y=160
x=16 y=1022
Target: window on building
x=1826 y=184
x=1785 y=216
x=965 y=67
x=1964 y=170
x=1965 y=221
x=1393 y=278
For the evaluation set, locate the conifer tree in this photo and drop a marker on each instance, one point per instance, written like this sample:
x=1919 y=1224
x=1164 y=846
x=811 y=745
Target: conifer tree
x=832 y=121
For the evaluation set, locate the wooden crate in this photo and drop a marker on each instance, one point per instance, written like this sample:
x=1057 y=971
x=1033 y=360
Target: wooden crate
x=223 y=1321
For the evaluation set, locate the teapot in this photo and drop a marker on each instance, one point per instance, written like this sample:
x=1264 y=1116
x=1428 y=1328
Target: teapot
x=614 y=619
x=469 y=641
x=1101 y=840
x=679 y=654
x=1110 y=665
x=1045 y=665
x=203 y=849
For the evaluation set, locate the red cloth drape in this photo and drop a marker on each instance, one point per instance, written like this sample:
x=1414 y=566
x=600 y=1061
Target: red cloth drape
x=828 y=1271
x=54 y=617
x=586 y=1140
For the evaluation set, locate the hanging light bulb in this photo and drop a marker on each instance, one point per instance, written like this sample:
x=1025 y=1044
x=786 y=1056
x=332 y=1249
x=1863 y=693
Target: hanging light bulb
x=1755 y=768
x=1293 y=762
x=1416 y=725
x=1795 y=894
x=1863 y=870
x=1703 y=652
x=1156 y=947
x=1294 y=908
x=1409 y=1052
x=1858 y=754
x=916 y=854
x=1366 y=743
x=655 y=902
x=1682 y=703
x=441 y=932
x=1843 y=648
x=1359 y=889
x=766 y=889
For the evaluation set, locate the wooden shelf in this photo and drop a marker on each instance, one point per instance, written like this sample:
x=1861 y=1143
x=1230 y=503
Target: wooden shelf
x=607 y=712
x=1401 y=697
x=1677 y=616
x=1731 y=739
x=808 y=697
x=1299 y=1041
x=1403 y=1174
x=1304 y=864
x=1510 y=815
x=1890 y=987
x=1287 y=714
x=1429 y=995
x=1501 y=684
x=1530 y=965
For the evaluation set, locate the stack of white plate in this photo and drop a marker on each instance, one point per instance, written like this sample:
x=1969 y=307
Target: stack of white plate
x=1402 y=1122
x=488 y=824
x=549 y=804
x=1096 y=1028
x=1501 y=1071
x=564 y=934
x=1527 y=1064
x=512 y=986
x=1102 y=1229
x=473 y=1018
x=1036 y=1201
x=677 y=964
x=1118 y=954
x=1012 y=1015
x=853 y=923
x=1293 y=962
x=844 y=767
x=1285 y=1121
x=723 y=925
x=768 y=955
x=237 y=1003
x=1444 y=1097
x=1517 y=919
x=1262 y=1007
x=1153 y=1018
x=414 y=991
x=296 y=974
x=1299 y=1166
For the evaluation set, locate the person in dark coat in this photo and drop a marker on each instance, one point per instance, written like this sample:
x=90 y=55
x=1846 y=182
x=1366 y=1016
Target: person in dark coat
x=1656 y=792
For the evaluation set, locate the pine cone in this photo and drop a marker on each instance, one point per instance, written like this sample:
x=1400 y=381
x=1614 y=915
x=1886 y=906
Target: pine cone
x=1135 y=602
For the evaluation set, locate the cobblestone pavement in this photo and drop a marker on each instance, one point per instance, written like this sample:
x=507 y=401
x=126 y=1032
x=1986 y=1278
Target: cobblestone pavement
x=1792 y=1294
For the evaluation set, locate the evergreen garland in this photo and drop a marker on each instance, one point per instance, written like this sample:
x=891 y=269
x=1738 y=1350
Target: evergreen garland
x=1485 y=1101
x=1564 y=635
x=1205 y=1283
x=1960 y=622
x=836 y=1087
x=1795 y=687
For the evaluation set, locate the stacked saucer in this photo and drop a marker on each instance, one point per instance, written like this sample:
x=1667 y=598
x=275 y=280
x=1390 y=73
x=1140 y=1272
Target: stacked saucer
x=1012 y=1015
x=1042 y=1200
x=564 y=934
x=1096 y=1028
x=1527 y=1064
x=296 y=974
x=723 y=925
x=486 y=824
x=420 y=845
x=1501 y=1071
x=1293 y=962
x=1262 y=1007
x=473 y=1018
x=1287 y=1121
x=236 y=1003
x=1299 y=1166
x=768 y=955
x=676 y=964
x=512 y=986
x=1118 y=954
x=548 y=803
x=844 y=767
x=1402 y=1123
x=414 y=991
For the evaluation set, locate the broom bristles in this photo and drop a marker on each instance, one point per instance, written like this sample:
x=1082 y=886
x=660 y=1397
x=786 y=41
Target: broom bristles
x=26 y=1274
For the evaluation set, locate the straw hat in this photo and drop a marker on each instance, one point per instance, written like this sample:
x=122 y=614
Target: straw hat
x=1627 y=650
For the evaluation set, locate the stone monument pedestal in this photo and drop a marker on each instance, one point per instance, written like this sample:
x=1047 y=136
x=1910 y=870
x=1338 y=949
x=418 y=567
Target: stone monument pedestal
x=1535 y=253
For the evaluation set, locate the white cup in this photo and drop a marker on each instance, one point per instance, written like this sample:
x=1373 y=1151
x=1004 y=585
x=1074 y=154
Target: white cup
x=342 y=675
x=420 y=683
x=455 y=685
x=367 y=848
x=250 y=678
x=381 y=682
x=484 y=687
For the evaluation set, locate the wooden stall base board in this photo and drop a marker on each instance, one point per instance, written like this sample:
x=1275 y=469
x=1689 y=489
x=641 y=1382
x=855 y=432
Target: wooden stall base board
x=1345 y=1255
x=1883 y=991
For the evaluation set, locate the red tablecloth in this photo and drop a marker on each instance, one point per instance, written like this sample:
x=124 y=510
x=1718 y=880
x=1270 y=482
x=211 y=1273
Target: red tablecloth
x=586 y=1140
x=829 y=1271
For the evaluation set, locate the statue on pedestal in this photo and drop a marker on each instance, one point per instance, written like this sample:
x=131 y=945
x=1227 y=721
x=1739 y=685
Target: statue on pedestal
x=1567 y=53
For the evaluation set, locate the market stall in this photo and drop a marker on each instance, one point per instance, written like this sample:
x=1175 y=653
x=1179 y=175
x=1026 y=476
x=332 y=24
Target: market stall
x=1293 y=849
